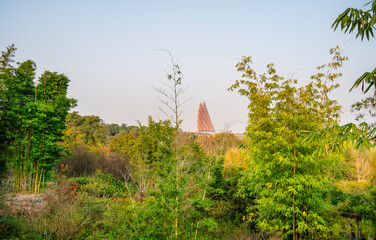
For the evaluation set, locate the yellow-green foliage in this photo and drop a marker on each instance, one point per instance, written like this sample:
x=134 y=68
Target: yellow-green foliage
x=362 y=165
x=372 y=165
x=219 y=143
x=235 y=160
x=289 y=173
x=123 y=144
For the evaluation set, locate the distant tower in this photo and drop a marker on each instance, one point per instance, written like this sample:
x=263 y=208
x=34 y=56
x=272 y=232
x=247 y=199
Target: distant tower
x=204 y=124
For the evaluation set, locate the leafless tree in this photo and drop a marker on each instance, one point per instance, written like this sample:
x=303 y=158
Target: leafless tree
x=172 y=91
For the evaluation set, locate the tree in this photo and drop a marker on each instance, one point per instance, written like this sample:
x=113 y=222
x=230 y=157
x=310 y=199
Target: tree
x=84 y=131
x=172 y=101
x=170 y=206
x=33 y=118
x=113 y=129
x=181 y=195
x=173 y=92
x=151 y=149
x=364 y=22
x=5 y=61
x=287 y=174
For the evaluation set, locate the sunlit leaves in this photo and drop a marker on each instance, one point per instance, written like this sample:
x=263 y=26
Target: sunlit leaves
x=286 y=173
x=33 y=126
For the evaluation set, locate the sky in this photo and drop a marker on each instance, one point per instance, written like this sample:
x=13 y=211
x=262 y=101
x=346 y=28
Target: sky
x=109 y=51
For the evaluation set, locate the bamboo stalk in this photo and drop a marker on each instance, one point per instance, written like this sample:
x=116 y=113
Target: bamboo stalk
x=40 y=177
x=35 y=180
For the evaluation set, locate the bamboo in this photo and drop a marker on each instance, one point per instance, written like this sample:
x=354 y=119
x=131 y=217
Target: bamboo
x=40 y=177
x=35 y=180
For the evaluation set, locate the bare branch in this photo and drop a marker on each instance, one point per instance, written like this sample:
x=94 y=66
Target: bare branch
x=175 y=90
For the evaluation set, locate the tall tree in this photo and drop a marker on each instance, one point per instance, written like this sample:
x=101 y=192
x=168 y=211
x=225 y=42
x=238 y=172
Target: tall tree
x=84 y=131
x=172 y=92
x=176 y=172
x=34 y=125
x=171 y=99
x=5 y=63
x=288 y=174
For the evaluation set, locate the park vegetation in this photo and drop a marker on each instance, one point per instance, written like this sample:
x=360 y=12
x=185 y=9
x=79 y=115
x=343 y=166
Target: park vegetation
x=294 y=174
x=289 y=177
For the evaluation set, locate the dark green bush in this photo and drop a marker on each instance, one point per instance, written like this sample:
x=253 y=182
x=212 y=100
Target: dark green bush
x=10 y=226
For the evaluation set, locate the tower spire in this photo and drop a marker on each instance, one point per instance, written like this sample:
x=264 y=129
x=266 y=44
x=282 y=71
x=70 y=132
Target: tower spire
x=204 y=123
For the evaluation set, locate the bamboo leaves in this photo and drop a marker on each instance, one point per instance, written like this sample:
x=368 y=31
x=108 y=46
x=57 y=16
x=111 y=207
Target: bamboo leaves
x=33 y=125
x=364 y=22
x=290 y=171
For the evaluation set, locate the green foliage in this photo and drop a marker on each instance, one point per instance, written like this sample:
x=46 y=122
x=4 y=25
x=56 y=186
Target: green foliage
x=353 y=212
x=91 y=132
x=124 y=144
x=114 y=128
x=289 y=174
x=177 y=206
x=65 y=217
x=154 y=141
x=368 y=78
x=364 y=22
x=361 y=135
x=5 y=61
x=84 y=131
x=170 y=199
x=229 y=207
x=62 y=212
x=33 y=118
x=51 y=86
x=118 y=222
x=10 y=226
x=102 y=185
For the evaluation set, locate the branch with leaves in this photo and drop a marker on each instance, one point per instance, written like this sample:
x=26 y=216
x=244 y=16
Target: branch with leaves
x=364 y=22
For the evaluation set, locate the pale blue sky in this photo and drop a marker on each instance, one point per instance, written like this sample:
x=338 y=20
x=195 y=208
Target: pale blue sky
x=108 y=50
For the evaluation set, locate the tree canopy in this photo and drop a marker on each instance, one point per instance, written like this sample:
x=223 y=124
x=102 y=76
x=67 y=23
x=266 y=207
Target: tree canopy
x=33 y=117
x=287 y=174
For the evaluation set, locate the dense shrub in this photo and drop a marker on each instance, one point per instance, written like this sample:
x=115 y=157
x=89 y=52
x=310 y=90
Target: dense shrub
x=118 y=166
x=102 y=185
x=10 y=226
x=81 y=163
x=67 y=214
x=86 y=163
